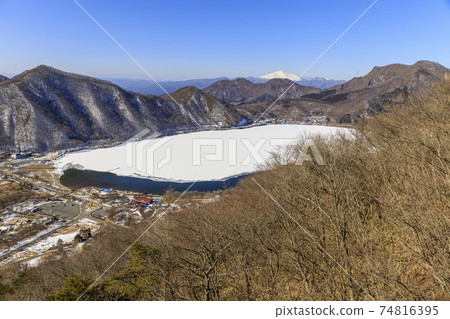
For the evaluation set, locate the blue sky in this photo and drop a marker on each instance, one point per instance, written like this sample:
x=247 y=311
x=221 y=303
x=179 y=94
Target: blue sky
x=198 y=39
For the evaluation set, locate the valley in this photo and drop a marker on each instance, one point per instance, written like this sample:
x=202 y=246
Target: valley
x=85 y=163
x=35 y=229
x=40 y=218
x=46 y=109
x=291 y=158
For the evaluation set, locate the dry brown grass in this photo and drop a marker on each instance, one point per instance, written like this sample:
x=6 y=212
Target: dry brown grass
x=12 y=193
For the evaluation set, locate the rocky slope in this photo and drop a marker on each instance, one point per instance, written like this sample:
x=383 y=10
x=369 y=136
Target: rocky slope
x=319 y=82
x=193 y=98
x=3 y=78
x=45 y=108
x=382 y=86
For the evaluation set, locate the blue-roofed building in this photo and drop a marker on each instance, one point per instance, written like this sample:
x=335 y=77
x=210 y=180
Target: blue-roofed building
x=106 y=191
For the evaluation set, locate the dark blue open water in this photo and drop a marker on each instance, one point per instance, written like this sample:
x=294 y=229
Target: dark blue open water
x=76 y=179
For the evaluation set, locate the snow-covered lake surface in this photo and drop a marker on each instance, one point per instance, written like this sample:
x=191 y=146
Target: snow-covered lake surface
x=198 y=156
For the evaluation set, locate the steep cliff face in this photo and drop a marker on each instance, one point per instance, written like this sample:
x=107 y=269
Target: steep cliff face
x=45 y=108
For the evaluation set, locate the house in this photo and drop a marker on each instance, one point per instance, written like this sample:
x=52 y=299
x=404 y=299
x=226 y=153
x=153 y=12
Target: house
x=106 y=191
x=145 y=200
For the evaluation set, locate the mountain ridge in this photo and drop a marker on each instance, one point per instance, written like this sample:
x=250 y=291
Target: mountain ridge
x=390 y=84
x=241 y=91
x=47 y=109
x=145 y=87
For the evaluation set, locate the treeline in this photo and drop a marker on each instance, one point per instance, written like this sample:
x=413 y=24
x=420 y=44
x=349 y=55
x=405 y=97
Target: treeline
x=373 y=222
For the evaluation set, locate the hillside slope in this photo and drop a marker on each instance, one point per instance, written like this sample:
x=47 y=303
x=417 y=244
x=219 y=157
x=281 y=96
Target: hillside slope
x=241 y=91
x=45 y=108
x=382 y=86
x=192 y=97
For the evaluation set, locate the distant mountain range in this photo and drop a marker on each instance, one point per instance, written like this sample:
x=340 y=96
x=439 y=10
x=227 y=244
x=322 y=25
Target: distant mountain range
x=317 y=82
x=150 y=87
x=48 y=109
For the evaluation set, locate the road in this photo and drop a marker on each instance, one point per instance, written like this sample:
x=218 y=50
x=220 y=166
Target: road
x=83 y=214
x=86 y=215
x=22 y=247
x=34 y=183
x=53 y=189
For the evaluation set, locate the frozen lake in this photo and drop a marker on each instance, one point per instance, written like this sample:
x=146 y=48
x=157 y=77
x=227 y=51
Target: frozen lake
x=199 y=156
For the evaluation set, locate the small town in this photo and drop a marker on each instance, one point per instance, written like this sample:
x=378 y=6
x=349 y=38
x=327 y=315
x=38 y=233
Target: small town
x=40 y=218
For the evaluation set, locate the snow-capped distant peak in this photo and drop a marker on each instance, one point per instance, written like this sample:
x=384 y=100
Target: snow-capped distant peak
x=281 y=75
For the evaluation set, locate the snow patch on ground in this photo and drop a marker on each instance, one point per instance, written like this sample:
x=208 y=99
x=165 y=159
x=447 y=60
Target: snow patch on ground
x=4 y=219
x=49 y=242
x=30 y=239
x=88 y=222
x=63 y=237
x=33 y=262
